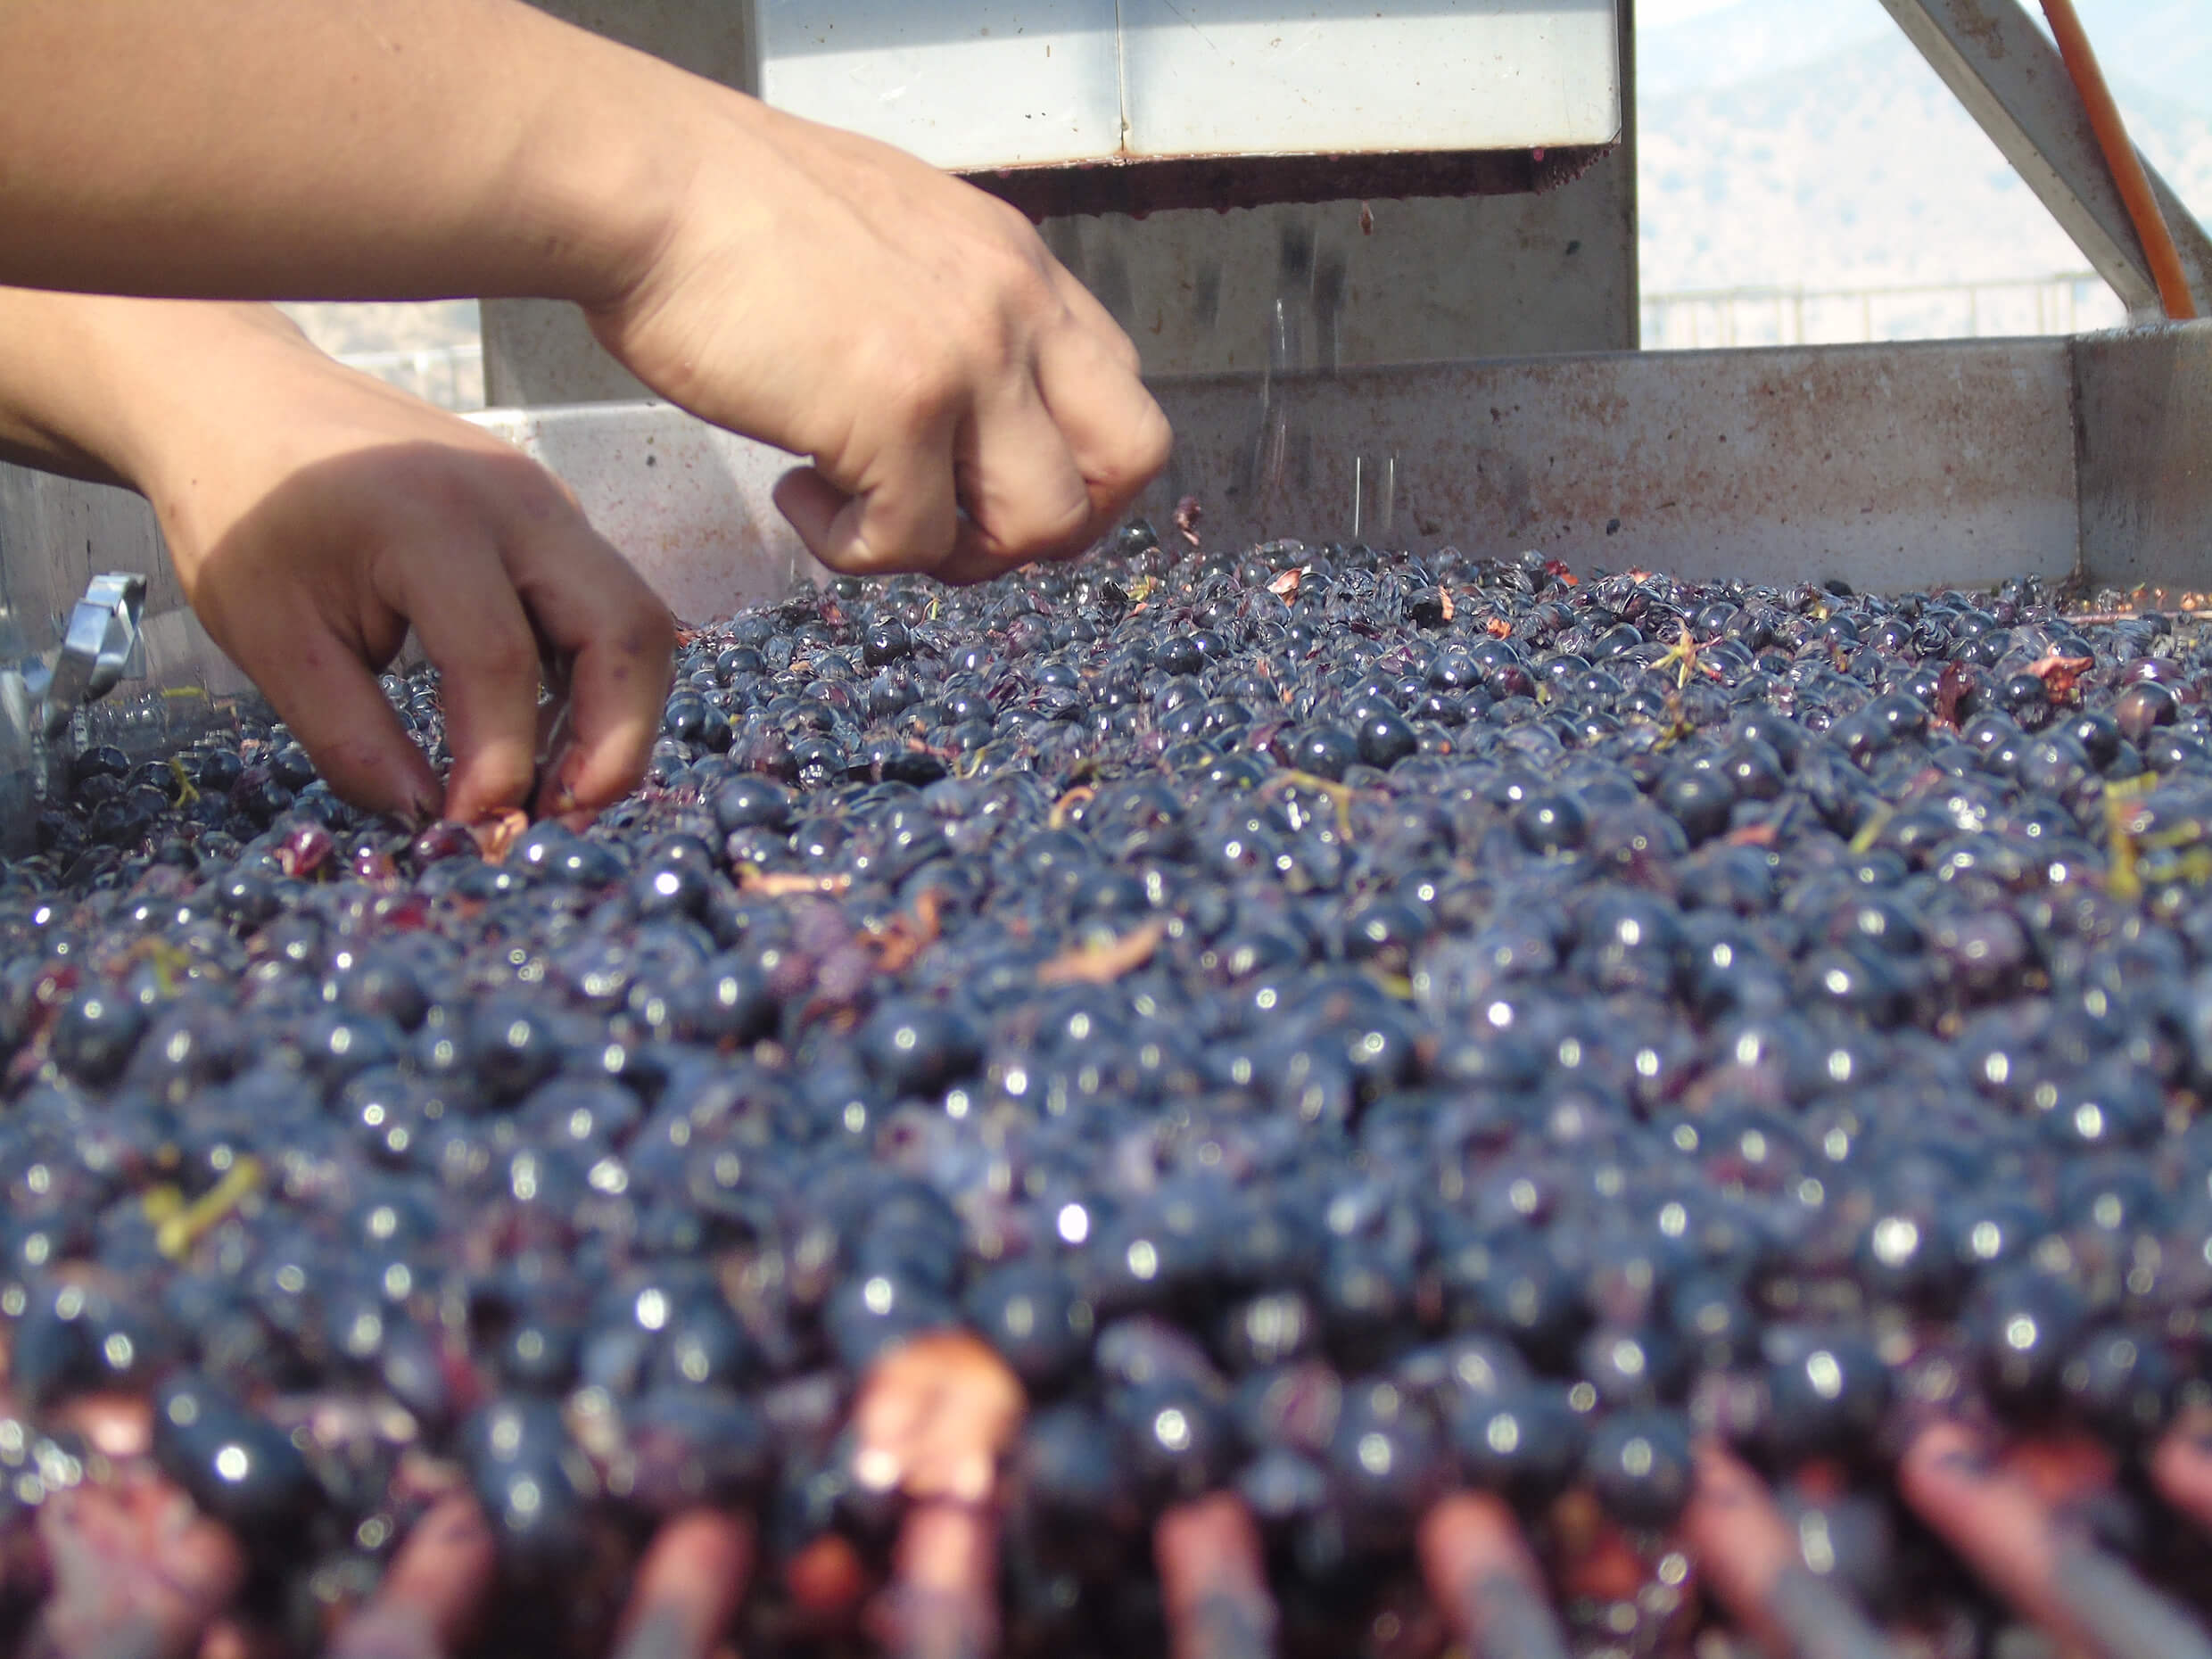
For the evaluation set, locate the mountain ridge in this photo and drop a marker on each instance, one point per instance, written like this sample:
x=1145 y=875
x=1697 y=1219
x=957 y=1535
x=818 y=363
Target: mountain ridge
x=1855 y=166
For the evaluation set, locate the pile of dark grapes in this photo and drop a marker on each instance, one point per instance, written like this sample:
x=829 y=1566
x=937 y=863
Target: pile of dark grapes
x=1344 y=1026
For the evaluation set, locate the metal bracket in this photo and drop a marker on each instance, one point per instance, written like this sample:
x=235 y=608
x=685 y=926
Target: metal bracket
x=102 y=648
x=2010 y=78
x=20 y=753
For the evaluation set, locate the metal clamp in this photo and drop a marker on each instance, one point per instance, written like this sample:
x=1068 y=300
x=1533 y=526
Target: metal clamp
x=19 y=758
x=102 y=648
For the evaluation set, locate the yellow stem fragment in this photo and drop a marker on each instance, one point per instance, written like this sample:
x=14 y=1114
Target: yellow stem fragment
x=175 y=1236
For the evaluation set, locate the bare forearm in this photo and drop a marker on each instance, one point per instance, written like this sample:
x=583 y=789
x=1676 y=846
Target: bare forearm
x=963 y=403
x=60 y=408
x=332 y=149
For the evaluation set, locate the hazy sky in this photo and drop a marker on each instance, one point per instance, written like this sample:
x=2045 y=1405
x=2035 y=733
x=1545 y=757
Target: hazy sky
x=1654 y=12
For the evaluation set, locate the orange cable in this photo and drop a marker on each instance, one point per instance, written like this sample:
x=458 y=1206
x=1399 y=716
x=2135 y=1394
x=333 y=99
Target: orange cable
x=2119 y=154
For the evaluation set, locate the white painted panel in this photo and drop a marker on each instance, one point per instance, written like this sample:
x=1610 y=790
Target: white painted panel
x=962 y=86
x=1233 y=77
x=979 y=85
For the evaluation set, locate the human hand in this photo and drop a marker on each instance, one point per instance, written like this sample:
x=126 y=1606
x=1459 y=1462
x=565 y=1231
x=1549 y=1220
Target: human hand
x=966 y=405
x=313 y=513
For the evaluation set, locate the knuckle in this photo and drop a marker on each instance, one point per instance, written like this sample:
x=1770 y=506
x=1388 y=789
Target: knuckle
x=1116 y=475
x=1014 y=222
x=638 y=624
x=923 y=545
x=973 y=340
x=448 y=485
x=501 y=650
x=652 y=636
x=1024 y=289
x=538 y=496
x=1057 y=527
x=1122 y=353
x=922 y=540
x=878 y=551
x=924 y=387
x=1150 y=443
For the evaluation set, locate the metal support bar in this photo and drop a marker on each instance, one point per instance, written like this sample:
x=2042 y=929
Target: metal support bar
x=101 y=649
x=2010 y=78
x=19 y=765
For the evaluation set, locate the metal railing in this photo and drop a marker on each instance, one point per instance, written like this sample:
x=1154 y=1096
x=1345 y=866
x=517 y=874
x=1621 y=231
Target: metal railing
x=2063 y=303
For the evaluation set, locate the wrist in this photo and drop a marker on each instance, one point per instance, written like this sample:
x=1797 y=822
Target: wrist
x=63 y=404
x=127 y=391
x=602 y=167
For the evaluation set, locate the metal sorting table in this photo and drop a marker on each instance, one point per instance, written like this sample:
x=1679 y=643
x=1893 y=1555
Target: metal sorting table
x=1890 y=467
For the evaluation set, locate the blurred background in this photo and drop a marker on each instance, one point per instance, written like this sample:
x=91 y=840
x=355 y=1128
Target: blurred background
x=1804 y=178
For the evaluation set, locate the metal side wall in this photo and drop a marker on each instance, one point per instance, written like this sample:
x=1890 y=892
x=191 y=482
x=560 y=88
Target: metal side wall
x=2145 y=456
x=1889 y=467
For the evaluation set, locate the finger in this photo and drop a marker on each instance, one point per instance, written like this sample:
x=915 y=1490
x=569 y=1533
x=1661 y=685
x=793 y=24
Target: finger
x=1018 y=483
x=689 y=1587
x=340 y=715
x=138 y=1573
x=2182 y=1467
x=934 y=1415
x=900 y=516
x=970 y=564
x=1213 y=1581
x=434 y=1592
x=1088 y=313
x=617 y=642
x=1747 y=1554
x=1482 y=1575
x=973 y=561
x=1114 y=428
x=474 y=630
x=234 y=1636
x=2002 y=1526
x=943 y=1603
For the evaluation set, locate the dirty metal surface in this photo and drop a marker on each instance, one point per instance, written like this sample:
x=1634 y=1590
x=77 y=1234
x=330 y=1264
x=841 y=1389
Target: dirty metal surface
x=1141 y=185
x=1890 y=467
x=1207 y=291
x=1424 y=281
x=56 y=534
x=2146 y=455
